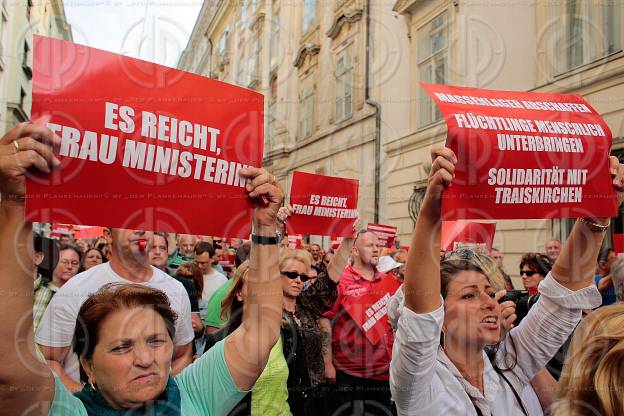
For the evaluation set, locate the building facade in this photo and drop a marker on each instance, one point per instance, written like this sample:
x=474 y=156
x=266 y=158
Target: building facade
x=308 y=58
x=558 y=47
x=19 y=20
x=341 y=83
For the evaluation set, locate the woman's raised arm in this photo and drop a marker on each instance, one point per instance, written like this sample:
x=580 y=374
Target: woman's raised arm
x=575 y=266
x=247 y=348
x=25 y=379
x=422 y=271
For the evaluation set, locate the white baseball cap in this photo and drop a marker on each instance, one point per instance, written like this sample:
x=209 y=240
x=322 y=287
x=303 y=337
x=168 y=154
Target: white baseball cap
x=387 y=263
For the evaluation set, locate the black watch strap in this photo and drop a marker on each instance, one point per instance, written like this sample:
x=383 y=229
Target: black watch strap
x=260 y=239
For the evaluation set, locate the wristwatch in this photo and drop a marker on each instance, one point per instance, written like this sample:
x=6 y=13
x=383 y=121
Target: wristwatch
x=264 y=240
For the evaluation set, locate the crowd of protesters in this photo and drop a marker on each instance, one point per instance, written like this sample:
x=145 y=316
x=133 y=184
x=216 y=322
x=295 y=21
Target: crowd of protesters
x=141 y=322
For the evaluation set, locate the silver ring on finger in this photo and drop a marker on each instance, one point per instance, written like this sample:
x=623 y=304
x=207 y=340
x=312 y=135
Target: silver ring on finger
x=16 y=145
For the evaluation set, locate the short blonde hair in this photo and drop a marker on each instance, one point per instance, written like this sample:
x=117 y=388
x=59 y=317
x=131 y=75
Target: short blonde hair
x=592 y=380
x=617 y=275
x=303 y=256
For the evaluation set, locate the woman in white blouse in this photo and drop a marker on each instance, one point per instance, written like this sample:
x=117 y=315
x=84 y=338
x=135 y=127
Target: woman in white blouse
x=450 y=317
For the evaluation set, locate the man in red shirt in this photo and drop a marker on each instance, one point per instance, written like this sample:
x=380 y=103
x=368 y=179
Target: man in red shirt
x=361 y=367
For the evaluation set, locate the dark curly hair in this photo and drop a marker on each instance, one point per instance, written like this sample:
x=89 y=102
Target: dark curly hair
x=537 y=262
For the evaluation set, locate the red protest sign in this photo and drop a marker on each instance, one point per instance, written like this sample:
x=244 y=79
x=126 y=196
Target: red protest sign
x=385 y=233
x=61 y=229
x=457 y=233
x=618 y=243
x=335 y=242
x=524 y=155
x=143 y=146
x=83 y=231
x=322 y=205
x=370 y=311
x=295 y=242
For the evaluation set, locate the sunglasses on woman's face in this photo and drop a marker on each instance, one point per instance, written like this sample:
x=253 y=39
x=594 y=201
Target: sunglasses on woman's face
x=293 y=275
x=529 y=273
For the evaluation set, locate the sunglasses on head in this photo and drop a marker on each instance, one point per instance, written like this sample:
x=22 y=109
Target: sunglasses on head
x=293 y=275
x=464 y=253
x=529 y=273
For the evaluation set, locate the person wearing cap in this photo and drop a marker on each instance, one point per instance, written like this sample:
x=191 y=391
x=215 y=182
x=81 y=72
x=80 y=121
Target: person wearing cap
x=390 y=266
x=129 y=263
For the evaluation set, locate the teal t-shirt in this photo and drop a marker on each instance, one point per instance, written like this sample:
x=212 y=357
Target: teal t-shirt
x=206 y=388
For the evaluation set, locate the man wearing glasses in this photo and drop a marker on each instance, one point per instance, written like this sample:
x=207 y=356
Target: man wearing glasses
x=45 y=288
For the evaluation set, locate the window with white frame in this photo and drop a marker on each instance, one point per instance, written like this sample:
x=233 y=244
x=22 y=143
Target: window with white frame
x=244 y=10
x=251 y=82
x=241 y=72
x=432 y=57
x=222 y=45
x=272 y=111
x=306 y=107
x=591 y=30
x=344 y=83
x=275 y=41
x=254 y=61
x=309 y=15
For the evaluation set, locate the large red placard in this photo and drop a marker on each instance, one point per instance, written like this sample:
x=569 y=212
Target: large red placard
x=524 y=155
x=143 y=146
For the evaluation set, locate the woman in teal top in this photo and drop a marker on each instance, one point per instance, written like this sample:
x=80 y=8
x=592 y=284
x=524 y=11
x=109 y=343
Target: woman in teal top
x=141 y=362
x=126 y=355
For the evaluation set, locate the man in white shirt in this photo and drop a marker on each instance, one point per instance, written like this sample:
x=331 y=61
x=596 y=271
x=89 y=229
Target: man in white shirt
x=129 y=264
x=204 y=252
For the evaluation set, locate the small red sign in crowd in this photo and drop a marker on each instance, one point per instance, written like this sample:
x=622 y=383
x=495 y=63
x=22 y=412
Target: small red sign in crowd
x=457 y=234
x=385 y=233
x=370 y=311
x=322 y=205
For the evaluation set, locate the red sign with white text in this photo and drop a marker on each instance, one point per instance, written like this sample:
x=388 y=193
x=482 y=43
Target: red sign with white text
x=524 y=155
x=456 y=234
x=335 y=242
x=618 y=243
x=61 y=229
x=295 y=242
x=84 y=231
x=370 y=311
x=322 y=205
x=143 y=146
x=385 y=233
